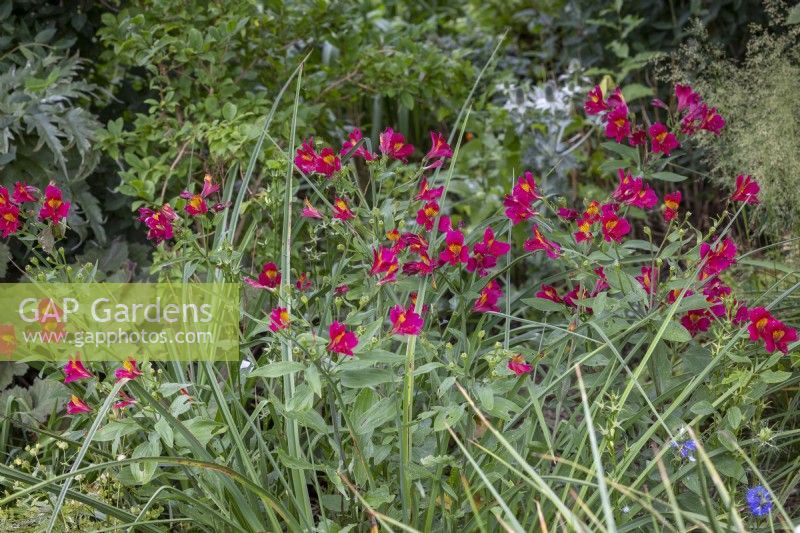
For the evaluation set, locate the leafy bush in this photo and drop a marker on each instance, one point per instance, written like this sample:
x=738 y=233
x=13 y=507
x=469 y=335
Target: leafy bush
x=410 y=367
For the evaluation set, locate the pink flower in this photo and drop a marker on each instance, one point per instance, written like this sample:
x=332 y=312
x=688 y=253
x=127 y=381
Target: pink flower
x=485 y=254
x=584 y=232
x=439 y=147
x=648 y=279
x=517 y=211
x=341 y=289
x=712 y=121
x=778 y=335
x=595 y=104
x=341 y=210
x=741 y=316
x=158 y=223
x=718 y=259
x=747 y=190
x=637 y=136
x=24 y=193
x=9 y=219
x=454 y=252
x=124 y=402
x=342 y=341
x=428 y=195
x=422 y=267
x=567 y=214
x=76 y=406
x=384 y=261
x=687 y=98
x=518 y=365
x=54 y=206
x=361 y=151
x=696 y=321
x=548 y=292
x=427 y=214
x=614 y=227
x=671 y=203
x=268 y=278
x=540 y=242
x=759 y=318
x=74 y=371
x=405 y=321
x=661 y=139
x=306 y=158
x=279 y=319
x=327 y=163
x=577 y=293
x=634 y=191
x=197 y=202
x=309 y=211
x=303 y=283
x=394 y=145
x=488 y=297
x=714 y=291
x=128 y=370
x=617 y=125
x=525 y=189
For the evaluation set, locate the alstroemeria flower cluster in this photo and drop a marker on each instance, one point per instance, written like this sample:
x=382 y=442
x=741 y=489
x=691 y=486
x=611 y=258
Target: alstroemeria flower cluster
x=308 y=161
x=74 y=370
x=159 y=222
x=196 y=204
x=54 y=207
x=775 y=334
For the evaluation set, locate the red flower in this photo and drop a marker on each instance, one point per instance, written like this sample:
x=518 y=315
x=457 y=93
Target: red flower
x=309 y=211
x=577 y=293
x=548 y=292
x=712 y=121
x=159 y=223
x=696 y=321
x=269 y=278
x=413 y=242
x=671 y=203
x=741 y=316
x=279 y=319
x=716 y=260
x=306 y=158
x=5 y=199
x=405 y=321
x=124 y=402
x=759 y=318
x=426 y=194
x=648 y=278
x=8 y=339
x=593 y=211
x=128 y=370
x=518 y=365
x=614 y=227
x=674 y=293
x=747 y=190
x=427 y=214
x=197 y=202
x=567 y=214
x=638 y=136
x=303 y=283
x=23 y=193
x=54 y=206
x=384 y=261
x=525 y=189
x=594 y=103
x=540 y=242
x=76 y=406
x=488 y=297
x=617 y=125
x=394 y=145
x=454 y=252
x=439 y=147
x=327 y=163
x=361 y=151
x=74 y=371
x=661 y=139
x=778 y=335
x=342 y=341
x=602 y=281
x=714 y=291
x=341 y=289
x=687 y=98
x=341 y=210
x=422 y=267
x=634 y=191
x=517 y=211
x=9 y=219
x=584 y=232
x=485 y=254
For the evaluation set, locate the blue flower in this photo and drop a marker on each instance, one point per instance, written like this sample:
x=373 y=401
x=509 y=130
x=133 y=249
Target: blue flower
x=686 y=448
x=759 y=500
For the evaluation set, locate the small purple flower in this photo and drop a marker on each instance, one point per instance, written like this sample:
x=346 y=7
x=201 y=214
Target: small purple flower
x=686 y=448
x=759 y=500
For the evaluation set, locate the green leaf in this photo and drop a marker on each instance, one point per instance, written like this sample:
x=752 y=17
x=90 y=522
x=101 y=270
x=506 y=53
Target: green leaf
x=277 y=369
x=5 y=258
x=634 y=91
x=366 y=377
x=229 y=111
x=676 y=333
x=542 y=304
x=625 y=151
x=734 y=417
x=164 y=431
x=668 y=176
x=702 y=408
x=775 y=376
